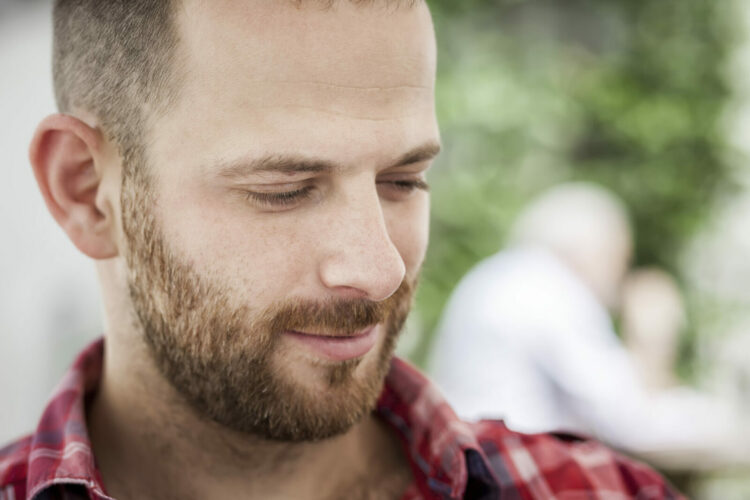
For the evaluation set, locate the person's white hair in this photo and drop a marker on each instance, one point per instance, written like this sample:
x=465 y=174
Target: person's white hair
x=586 y=226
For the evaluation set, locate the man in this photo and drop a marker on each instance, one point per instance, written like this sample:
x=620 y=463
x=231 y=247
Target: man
x=542 y=347
x=526 y=336
x=250 y=178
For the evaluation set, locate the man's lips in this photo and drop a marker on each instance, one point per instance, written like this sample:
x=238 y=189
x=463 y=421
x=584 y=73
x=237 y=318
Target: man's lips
x=337 y=347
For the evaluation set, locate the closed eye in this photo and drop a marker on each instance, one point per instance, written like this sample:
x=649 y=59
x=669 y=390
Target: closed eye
x=277 y=200
x=394 y=190
x=401 y=189
x=408 y=185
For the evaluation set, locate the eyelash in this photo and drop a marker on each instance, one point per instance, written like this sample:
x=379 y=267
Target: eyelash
x=410 y=185
x=286 y=198
x=280 y=199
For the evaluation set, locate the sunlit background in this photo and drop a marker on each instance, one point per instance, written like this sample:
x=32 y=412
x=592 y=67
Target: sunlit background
x=649 y=98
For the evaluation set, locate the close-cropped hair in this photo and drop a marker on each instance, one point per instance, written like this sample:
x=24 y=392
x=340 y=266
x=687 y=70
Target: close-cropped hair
x=117 y=60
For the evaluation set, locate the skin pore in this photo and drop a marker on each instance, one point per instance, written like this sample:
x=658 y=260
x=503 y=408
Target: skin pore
x=284 y=191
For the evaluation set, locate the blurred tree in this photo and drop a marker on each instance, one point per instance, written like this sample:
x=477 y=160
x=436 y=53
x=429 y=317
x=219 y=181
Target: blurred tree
x=626 y=93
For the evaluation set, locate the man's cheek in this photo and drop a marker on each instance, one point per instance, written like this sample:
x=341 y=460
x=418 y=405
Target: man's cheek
x=410 y=234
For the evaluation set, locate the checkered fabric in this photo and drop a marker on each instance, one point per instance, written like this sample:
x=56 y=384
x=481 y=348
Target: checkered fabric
x=450 y=459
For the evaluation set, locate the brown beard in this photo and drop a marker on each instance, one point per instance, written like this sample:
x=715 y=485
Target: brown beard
x=220 y=356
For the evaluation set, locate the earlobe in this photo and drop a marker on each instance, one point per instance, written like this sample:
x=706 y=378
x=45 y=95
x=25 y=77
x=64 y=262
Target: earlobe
x=64 y=155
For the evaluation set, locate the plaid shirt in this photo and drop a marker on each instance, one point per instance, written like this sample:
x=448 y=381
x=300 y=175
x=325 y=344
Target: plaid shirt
x=449 y=458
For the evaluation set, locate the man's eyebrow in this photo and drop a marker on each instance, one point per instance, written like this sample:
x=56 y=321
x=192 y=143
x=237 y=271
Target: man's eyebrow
x=422 y=153
x=292 y=164
x=274 y=163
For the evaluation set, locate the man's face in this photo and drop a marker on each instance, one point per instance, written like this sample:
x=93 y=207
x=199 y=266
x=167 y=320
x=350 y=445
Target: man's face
x=273 y=251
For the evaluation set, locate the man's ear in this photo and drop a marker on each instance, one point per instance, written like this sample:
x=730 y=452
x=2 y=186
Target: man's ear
x=63 y=154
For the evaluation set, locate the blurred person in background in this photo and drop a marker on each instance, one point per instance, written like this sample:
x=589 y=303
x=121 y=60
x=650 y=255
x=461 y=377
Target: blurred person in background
x=652 y=318
x=527 y=337
x=253 y=192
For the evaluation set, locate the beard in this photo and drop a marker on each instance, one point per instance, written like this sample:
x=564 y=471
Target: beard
x=223 y=358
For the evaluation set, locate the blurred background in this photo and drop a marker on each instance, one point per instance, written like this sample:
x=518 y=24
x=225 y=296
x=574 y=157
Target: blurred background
x=649 y=99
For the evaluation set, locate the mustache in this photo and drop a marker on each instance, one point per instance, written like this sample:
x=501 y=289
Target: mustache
x=338 y=316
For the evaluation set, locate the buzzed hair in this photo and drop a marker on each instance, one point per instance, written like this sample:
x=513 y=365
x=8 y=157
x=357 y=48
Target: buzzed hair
x=118 y=60
x=115 y=59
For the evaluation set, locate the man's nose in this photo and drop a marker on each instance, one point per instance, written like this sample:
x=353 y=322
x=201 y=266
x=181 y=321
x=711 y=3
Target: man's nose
x=361 y=260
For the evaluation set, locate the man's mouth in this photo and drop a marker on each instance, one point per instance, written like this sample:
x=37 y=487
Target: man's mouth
x=337 y=346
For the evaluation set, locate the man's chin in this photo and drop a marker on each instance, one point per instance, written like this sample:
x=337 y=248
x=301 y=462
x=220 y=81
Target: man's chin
x=280 y=391
x=318 y=400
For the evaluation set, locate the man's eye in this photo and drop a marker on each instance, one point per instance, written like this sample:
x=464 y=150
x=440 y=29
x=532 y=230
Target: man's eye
x=279 y=200
x=401 y=188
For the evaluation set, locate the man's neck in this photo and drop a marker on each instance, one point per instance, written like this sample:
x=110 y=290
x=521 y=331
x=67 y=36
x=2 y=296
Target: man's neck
x=149 y=444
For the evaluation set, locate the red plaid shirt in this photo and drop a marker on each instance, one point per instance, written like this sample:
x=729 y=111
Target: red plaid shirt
x=449 y=458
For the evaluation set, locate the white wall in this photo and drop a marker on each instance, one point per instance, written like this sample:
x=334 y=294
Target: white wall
x=49 y=305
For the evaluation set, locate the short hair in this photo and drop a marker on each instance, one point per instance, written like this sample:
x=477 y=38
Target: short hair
x=117 y=59
x=567 y=216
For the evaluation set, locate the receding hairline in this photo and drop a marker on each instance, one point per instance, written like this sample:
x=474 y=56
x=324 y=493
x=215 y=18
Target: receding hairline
x=123 y=62
x=66 y=96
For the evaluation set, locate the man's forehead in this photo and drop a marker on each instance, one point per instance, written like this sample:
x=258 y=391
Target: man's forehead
x=365 y=103
x=350 y=84
x=347 y=47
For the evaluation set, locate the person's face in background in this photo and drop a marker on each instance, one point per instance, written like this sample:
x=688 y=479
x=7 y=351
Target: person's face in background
x=285 y=202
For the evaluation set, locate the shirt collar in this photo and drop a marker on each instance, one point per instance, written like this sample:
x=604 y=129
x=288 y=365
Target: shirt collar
x=443 y=450
x=60 y=448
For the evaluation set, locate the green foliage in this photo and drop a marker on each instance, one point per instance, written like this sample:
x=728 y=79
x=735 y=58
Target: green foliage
x=626 y=93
